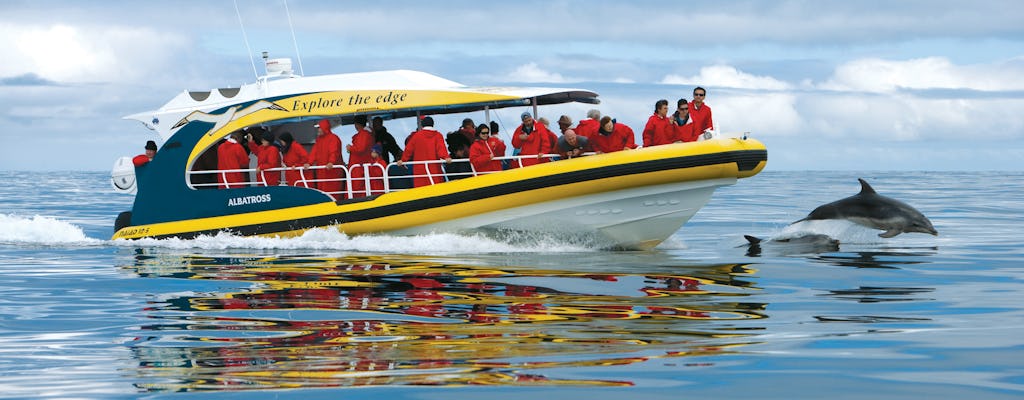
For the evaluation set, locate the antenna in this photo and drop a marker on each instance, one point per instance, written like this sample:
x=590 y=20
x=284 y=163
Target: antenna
x=248 y=50
x=294 y=42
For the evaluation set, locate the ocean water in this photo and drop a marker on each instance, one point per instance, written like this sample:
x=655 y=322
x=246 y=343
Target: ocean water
x=469 y=317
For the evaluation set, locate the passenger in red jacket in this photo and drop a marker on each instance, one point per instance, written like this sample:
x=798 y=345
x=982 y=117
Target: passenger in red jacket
x=426 y=144
x=143 y=159
x=659 y=130
x=295 y=158
x=359 y=152
x=531 y=139
x=372 y=170
x=700 y=113
x=267 y=156
x=230 y=156
x=326 y=152
x=682 y=125
x=485 y=150
x=589 y=126
x=612 y=137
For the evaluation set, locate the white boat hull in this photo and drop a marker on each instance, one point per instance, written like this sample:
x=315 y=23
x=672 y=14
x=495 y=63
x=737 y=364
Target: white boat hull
x=636 y=218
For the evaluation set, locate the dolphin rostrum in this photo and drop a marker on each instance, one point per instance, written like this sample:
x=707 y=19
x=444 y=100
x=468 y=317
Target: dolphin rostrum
x=873 y=210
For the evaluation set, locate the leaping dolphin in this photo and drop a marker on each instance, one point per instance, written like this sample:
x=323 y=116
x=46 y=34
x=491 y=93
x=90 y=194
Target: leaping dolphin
x=873 y=210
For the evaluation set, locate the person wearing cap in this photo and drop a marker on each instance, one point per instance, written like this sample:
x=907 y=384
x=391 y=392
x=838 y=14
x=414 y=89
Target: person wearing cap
x=326 y=152
x=485 y=150
x=232 y=156
x=532 y=140
x=267 y=156
x=612 y=137
x=658 y=130
x=143 y=159
x=295 y=158
x=359 y=153
x=570 y=145
x=426 y=144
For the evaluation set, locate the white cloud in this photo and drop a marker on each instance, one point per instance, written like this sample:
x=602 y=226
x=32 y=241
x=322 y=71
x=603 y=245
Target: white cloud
x=727 y=76
x=82 y=53
x=531 y=72
x=881 y=76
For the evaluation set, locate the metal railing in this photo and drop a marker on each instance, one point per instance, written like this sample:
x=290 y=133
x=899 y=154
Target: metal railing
x=375 y=179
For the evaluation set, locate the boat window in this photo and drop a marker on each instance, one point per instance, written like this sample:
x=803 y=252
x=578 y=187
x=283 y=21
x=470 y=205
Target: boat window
x=229 y=92
x=199 y=96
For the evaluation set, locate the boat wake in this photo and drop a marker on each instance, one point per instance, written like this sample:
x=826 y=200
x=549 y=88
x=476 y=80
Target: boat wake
x=48 y=231
x=331 y=239
x=42 y=230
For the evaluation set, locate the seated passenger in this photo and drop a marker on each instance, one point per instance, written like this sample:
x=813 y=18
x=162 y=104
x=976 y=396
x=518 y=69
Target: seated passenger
x=612 y=137
x=459 y=142
x=484 y=151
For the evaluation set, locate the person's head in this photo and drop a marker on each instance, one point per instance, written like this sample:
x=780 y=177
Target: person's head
x=570 y=137
x=661 y=107
x=360 y=121
x=698 y=95
x=375 y=151
x=607 y=125
x=594 y=114
x=287 y=139
x=150 y=148
x=544 y=121
x=468 y=124
x=266 y=138
x=483 y=131
x=564 y=122
x=377 y=122
x=683 y=107
x=527 y=118
x=325 y=127
x=494 y=128
x=427 y=121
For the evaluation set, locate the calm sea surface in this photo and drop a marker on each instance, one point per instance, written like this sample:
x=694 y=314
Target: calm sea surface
x=466 y=317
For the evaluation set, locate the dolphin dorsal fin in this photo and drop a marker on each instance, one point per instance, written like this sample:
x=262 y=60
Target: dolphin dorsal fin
x=865 y=188
x=752 y=239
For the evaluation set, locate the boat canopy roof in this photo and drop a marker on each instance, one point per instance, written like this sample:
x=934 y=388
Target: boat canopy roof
x=389 y=94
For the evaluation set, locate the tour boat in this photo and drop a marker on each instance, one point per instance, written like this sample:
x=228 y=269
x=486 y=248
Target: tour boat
x=631 y=199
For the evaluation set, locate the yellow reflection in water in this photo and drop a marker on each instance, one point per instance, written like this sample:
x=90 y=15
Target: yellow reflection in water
x=338 y=322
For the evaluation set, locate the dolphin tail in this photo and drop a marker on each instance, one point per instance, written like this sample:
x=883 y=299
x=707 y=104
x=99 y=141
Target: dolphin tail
x=865 y=188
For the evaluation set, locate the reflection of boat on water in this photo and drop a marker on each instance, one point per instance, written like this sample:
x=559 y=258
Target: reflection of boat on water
x=317 y=322
x=627 y=199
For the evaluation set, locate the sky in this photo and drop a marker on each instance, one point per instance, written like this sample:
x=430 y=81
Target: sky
x=826 y=85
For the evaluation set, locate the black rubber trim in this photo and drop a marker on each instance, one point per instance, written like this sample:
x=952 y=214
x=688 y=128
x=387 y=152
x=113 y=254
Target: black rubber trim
x=745 y=160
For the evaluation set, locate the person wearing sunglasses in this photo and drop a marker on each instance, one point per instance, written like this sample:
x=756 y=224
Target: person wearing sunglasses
x=700 y=113
x=682 y=125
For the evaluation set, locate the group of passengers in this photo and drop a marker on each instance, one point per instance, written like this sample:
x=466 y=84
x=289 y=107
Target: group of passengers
x=371 y=148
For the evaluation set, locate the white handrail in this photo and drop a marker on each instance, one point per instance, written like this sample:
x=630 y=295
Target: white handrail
x=367 y=179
